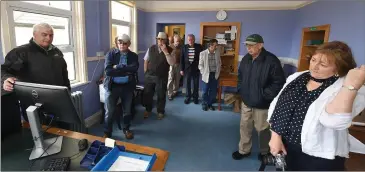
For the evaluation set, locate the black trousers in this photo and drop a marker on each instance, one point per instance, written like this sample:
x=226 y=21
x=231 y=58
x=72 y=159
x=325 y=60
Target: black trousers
x=192 y=74
x=152 y=84
x=296 y=160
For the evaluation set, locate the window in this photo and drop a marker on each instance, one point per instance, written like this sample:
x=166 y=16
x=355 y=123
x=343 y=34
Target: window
x=123 y=15
x=66 y=18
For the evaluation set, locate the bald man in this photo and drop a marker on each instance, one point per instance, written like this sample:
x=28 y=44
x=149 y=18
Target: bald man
x=37 y=62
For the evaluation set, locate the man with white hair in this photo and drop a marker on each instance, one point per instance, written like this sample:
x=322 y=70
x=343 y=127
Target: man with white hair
x=121 y=66
x=174 y=74
x=37 y=62
x=157 y=63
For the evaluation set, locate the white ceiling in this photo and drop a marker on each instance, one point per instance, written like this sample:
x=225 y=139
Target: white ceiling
x=167 y=6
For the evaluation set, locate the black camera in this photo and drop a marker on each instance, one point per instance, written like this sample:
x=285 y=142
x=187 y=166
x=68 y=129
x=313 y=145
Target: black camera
x=278 y=161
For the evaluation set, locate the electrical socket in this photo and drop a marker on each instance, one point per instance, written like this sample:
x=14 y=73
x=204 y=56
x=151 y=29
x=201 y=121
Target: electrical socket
x=100 y=54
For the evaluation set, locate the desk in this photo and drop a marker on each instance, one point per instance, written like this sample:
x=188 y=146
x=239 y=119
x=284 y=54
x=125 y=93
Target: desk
x=225 y=81
x=159 y=164
x=356 y=161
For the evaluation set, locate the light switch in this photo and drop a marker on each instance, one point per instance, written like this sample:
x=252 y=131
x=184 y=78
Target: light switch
x=100 y=54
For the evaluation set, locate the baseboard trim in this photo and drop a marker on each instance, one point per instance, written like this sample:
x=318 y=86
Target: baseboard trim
x=93 y=119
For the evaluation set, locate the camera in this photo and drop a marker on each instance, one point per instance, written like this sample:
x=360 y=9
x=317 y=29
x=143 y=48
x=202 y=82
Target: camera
x=278 y=161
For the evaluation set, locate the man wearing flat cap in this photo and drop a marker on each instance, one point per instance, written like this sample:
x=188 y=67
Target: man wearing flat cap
x=121 y=66
x=260 y=78
x=156 y=68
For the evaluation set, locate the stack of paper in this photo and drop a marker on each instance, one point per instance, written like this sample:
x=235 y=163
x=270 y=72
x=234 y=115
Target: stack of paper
x=129 y=164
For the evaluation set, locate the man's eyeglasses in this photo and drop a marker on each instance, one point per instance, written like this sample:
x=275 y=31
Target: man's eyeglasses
x=123 y=43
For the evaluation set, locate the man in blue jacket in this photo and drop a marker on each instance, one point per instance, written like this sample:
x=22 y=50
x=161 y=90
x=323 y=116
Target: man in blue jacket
x=121 y=66
x=260 y=79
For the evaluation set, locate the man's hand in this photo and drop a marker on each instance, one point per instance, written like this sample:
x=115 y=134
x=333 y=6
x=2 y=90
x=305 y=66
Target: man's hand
x=8 y=84
x=114 y=66
x=182 y=73
x=164 y=48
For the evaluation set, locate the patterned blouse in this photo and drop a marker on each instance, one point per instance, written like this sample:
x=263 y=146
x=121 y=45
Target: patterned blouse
x=292 y=106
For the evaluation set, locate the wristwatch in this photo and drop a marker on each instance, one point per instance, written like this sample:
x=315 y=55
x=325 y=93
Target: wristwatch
x=350 y=87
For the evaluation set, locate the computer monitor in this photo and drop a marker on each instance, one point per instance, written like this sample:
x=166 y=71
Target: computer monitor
x=50 y=99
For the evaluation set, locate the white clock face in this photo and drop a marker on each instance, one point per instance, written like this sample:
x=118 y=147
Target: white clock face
x=221 y=15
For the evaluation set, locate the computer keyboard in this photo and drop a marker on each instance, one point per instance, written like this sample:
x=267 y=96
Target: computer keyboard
x=57 y=164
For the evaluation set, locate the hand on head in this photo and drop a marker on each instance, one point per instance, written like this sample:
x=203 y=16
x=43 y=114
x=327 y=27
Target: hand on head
x=356 y=77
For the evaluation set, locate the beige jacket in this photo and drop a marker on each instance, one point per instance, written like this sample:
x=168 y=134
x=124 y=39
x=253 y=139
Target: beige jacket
x=204 y=64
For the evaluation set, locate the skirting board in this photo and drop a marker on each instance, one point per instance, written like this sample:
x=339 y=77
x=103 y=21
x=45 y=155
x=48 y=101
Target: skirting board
x=93 y=119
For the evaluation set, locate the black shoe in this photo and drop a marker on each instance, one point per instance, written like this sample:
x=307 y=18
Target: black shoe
x=196 y=101
x=237 y=156
x=211 y=108
x=205 y=108
x=170 y=98
x=187 y=101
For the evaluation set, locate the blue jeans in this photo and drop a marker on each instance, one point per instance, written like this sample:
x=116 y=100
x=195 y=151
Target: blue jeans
x=125 y=93
x=210 y=90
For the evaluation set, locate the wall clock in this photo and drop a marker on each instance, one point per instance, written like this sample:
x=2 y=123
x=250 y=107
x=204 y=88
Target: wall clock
x=221 y=15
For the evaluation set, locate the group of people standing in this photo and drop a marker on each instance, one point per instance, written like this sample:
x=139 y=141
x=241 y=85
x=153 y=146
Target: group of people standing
x=304 y=117
x=164 y=63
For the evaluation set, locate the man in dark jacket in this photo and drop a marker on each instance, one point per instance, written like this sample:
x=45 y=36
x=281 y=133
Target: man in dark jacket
x=121 y=66
x=37 y=62
x=260 y=78
x=189 y=62
x=156 y=68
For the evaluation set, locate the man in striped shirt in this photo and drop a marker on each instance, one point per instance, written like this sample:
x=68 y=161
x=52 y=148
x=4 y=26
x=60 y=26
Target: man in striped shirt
x=189 y=67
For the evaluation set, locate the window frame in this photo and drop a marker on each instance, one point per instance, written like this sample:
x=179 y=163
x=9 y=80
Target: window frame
x=132 y=24
x=76 y=28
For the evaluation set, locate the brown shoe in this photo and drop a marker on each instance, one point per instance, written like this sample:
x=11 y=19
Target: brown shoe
x=107 y=135
x=146 y=114
x=128 y=134
x=160 y=116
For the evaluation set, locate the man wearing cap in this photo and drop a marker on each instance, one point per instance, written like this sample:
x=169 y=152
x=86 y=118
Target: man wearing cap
x=173 y=84
x=260 y=78
x=156 y=68
x=189 y=68
x=121 y=66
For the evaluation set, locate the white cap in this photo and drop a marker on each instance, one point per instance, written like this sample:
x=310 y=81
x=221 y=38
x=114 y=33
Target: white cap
x=124 y=38
x=162 y=35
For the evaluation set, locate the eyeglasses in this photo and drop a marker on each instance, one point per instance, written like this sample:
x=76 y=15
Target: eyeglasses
x=123 y=43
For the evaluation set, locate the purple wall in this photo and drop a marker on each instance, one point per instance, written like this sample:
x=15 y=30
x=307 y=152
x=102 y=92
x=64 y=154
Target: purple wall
x=97 y=39
x=275 y=26
x=347 y=24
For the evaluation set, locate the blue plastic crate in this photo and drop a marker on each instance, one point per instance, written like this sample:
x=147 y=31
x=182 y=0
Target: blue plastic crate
x=108 y=160
x=95 y=153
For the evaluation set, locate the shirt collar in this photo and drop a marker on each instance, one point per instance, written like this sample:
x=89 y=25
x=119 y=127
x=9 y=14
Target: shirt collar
x=50 y=47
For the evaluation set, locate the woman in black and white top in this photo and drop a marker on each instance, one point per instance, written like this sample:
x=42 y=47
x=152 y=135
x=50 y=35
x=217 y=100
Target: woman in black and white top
x=310 y=116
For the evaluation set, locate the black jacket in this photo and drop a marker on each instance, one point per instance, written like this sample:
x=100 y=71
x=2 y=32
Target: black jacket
x=113 y=58
x=31 y=63
x=260 y=80
x=184 y=59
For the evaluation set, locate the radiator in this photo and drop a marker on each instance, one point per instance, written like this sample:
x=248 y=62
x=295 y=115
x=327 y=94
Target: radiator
x=77 y=100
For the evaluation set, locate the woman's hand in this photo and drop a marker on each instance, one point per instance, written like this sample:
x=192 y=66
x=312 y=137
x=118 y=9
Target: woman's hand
x=355 y=77
x=276 y=144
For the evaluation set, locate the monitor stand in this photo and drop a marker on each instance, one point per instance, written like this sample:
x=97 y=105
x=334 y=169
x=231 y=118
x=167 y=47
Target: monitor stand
x=42 y=147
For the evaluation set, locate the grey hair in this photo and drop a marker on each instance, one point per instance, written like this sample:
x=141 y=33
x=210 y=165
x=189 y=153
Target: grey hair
x=177 y=36
x=36 y=27
x=191 y=35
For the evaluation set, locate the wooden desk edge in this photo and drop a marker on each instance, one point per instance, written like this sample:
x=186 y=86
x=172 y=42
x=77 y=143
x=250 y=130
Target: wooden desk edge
x=162 y=155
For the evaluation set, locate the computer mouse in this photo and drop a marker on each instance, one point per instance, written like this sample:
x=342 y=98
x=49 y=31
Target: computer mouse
x=83 y=144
